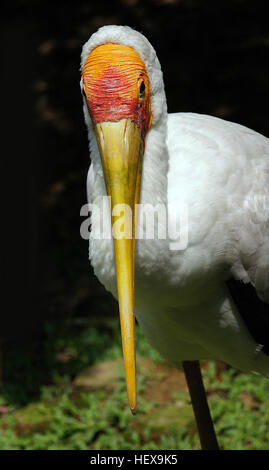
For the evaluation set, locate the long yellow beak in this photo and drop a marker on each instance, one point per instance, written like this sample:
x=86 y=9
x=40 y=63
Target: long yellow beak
x=121 y=150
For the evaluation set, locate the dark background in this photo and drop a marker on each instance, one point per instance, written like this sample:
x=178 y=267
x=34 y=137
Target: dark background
x=214 y=56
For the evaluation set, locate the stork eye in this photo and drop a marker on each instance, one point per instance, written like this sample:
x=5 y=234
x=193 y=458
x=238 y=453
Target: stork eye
x=142 y=90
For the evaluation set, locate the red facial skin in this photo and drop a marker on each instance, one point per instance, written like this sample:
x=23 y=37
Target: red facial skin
x=112 y=83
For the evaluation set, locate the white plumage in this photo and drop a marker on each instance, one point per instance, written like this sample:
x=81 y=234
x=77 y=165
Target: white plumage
x=220 y=170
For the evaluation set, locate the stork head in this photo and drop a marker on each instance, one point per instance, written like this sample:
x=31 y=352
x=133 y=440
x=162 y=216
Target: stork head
x=118 y=96
x=116 y=86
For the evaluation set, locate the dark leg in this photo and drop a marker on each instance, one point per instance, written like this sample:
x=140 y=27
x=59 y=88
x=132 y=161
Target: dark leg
x=200 y=406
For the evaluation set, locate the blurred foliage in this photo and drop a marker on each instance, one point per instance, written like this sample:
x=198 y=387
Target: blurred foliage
x=75 y=408
x=66 y=348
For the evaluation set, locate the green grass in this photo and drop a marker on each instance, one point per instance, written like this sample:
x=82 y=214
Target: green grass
x=47 y=411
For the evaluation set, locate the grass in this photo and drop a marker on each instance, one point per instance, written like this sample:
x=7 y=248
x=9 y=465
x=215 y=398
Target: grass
x=44 y=408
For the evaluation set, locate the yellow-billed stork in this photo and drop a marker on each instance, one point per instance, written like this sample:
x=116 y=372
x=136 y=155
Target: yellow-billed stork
x=206 y=299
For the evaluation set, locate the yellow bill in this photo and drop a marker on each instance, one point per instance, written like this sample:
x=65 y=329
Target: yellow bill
x=121 y=150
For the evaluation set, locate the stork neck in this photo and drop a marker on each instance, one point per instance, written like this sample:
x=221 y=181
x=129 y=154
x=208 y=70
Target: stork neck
x=155 y=165
x=154 y=170
x=153 y=193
